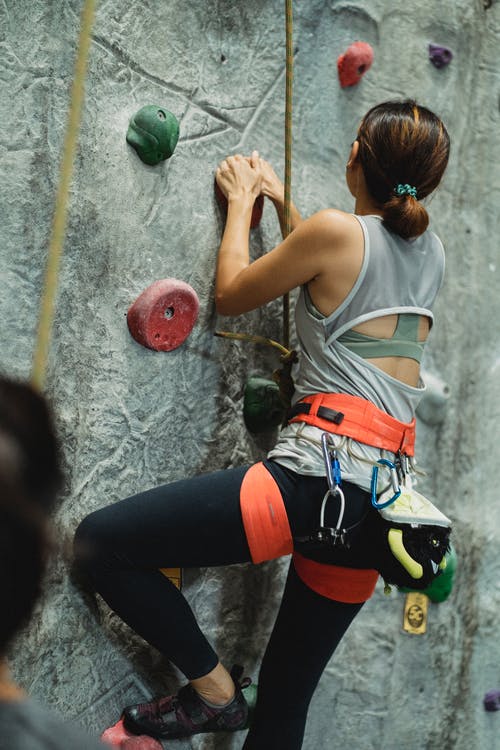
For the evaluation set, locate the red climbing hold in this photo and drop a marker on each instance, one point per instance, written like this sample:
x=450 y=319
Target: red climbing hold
x=258 y=206
x=354 y=63
x=142 y=742
x=117 y=736
x=163 y=316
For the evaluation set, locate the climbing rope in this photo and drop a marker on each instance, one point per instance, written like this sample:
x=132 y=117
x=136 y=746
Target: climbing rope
x=288 y=152
x=288 y=357
x=254 y=339
x=59 y=221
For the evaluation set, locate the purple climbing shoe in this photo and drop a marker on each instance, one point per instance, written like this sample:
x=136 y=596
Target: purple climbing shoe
x=185 y=714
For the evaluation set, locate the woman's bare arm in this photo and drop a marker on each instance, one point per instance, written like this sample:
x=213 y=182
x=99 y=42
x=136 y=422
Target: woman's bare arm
x=320 y=248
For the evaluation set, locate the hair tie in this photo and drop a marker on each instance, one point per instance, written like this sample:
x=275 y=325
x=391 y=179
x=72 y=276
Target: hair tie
x=406 y=190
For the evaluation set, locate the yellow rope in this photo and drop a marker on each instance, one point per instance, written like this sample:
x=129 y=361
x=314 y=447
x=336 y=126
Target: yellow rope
x=254 y=339
x=288 y=152
x=47 y=304
x=285 y=351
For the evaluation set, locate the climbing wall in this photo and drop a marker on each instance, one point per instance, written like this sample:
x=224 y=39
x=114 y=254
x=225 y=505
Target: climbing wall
x=130 y=417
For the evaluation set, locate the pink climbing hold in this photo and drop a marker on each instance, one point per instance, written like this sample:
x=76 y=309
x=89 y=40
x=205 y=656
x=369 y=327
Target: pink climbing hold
x=354 y=63
x=117 y=736
x=142 y=742
x=257 y=210
x=163 y=316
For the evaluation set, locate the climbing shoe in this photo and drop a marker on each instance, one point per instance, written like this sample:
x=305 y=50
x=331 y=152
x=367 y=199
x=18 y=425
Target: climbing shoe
x=185 y=714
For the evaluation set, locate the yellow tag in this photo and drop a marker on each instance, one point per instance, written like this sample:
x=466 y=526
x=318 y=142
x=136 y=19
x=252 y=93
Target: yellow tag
x=174 y=574
x=415 y=614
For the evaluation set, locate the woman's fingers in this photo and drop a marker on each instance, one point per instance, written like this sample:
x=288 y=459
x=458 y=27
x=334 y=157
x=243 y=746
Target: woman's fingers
x=254 y=160
x=238 y=173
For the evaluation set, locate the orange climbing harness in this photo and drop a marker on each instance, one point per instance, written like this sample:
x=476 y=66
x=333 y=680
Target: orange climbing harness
x=263 y=511
x=348 y=585
x=356 y=418
x=269 y=536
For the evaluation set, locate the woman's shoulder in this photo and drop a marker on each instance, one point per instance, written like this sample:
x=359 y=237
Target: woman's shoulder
x=334 y=225
x=334 y=217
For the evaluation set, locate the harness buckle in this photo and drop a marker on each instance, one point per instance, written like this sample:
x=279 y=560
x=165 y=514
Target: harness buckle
x=330 y=536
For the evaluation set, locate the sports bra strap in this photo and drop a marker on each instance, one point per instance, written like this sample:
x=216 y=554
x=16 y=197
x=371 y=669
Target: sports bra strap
x=404 y=342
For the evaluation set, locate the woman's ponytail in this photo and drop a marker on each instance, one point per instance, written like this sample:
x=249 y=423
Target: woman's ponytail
x=405 y=216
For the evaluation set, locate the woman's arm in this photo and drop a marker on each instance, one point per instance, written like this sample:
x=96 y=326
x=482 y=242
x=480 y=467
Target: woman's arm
x=315 y=248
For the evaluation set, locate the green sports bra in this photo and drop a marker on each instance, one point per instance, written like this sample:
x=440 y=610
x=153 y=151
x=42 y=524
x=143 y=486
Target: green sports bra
x=404 y=341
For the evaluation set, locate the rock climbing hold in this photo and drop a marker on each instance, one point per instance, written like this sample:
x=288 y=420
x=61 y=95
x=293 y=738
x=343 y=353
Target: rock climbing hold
x=118 y=736
x=491 y=700
x=263 y=408
x=153 y=131
x=354 y=63
x=163 y=316
x=432 y=406
x=115 y=735
x=440 y=56
x=258 y=206
x=141 y=742
x=250 y=695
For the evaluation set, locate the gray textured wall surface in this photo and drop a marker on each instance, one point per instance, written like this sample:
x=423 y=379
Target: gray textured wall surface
x=129 y=418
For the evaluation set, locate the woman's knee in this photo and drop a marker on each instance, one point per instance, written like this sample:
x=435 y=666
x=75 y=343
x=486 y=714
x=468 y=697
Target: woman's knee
x=89 y=546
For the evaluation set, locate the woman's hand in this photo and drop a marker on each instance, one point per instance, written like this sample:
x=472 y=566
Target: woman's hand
x=271 y=184
x=273 y=188
x=240 y=177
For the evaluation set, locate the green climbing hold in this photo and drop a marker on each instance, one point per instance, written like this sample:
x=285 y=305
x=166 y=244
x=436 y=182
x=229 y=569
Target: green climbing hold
x=441 y=587
x=250 y=695
x=153 y=131
x=263 y=409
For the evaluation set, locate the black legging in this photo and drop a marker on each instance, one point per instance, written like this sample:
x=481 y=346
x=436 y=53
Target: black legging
x=197 y=523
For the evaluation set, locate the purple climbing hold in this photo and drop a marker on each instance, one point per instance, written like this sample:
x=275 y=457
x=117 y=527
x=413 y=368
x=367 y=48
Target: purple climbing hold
x=492 y=700
x=440 y=56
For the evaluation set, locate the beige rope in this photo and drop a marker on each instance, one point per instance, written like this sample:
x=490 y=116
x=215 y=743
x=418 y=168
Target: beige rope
x=288 y=152
x=47 y=304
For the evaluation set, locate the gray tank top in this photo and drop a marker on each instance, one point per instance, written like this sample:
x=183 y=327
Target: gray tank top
x=396 y=276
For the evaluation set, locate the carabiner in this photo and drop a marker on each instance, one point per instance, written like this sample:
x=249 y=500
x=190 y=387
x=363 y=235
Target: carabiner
x=394 y=481
x=332 y=463
x=334 y=480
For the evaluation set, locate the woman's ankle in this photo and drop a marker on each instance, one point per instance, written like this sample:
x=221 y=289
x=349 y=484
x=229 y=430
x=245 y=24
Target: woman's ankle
x=217 y=688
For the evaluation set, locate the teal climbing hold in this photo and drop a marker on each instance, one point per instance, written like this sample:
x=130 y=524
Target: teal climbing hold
x=153 y=131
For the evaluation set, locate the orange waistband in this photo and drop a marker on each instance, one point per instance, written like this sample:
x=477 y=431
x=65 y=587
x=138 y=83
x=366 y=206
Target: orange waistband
x=348 y=585
x=356 y=418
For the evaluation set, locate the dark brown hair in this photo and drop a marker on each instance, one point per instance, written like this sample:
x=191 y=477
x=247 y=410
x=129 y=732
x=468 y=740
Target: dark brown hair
x=29 y=479
x=402 y=143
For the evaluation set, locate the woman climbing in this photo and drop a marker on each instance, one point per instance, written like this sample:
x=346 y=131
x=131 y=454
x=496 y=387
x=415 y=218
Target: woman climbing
x=367 y=282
